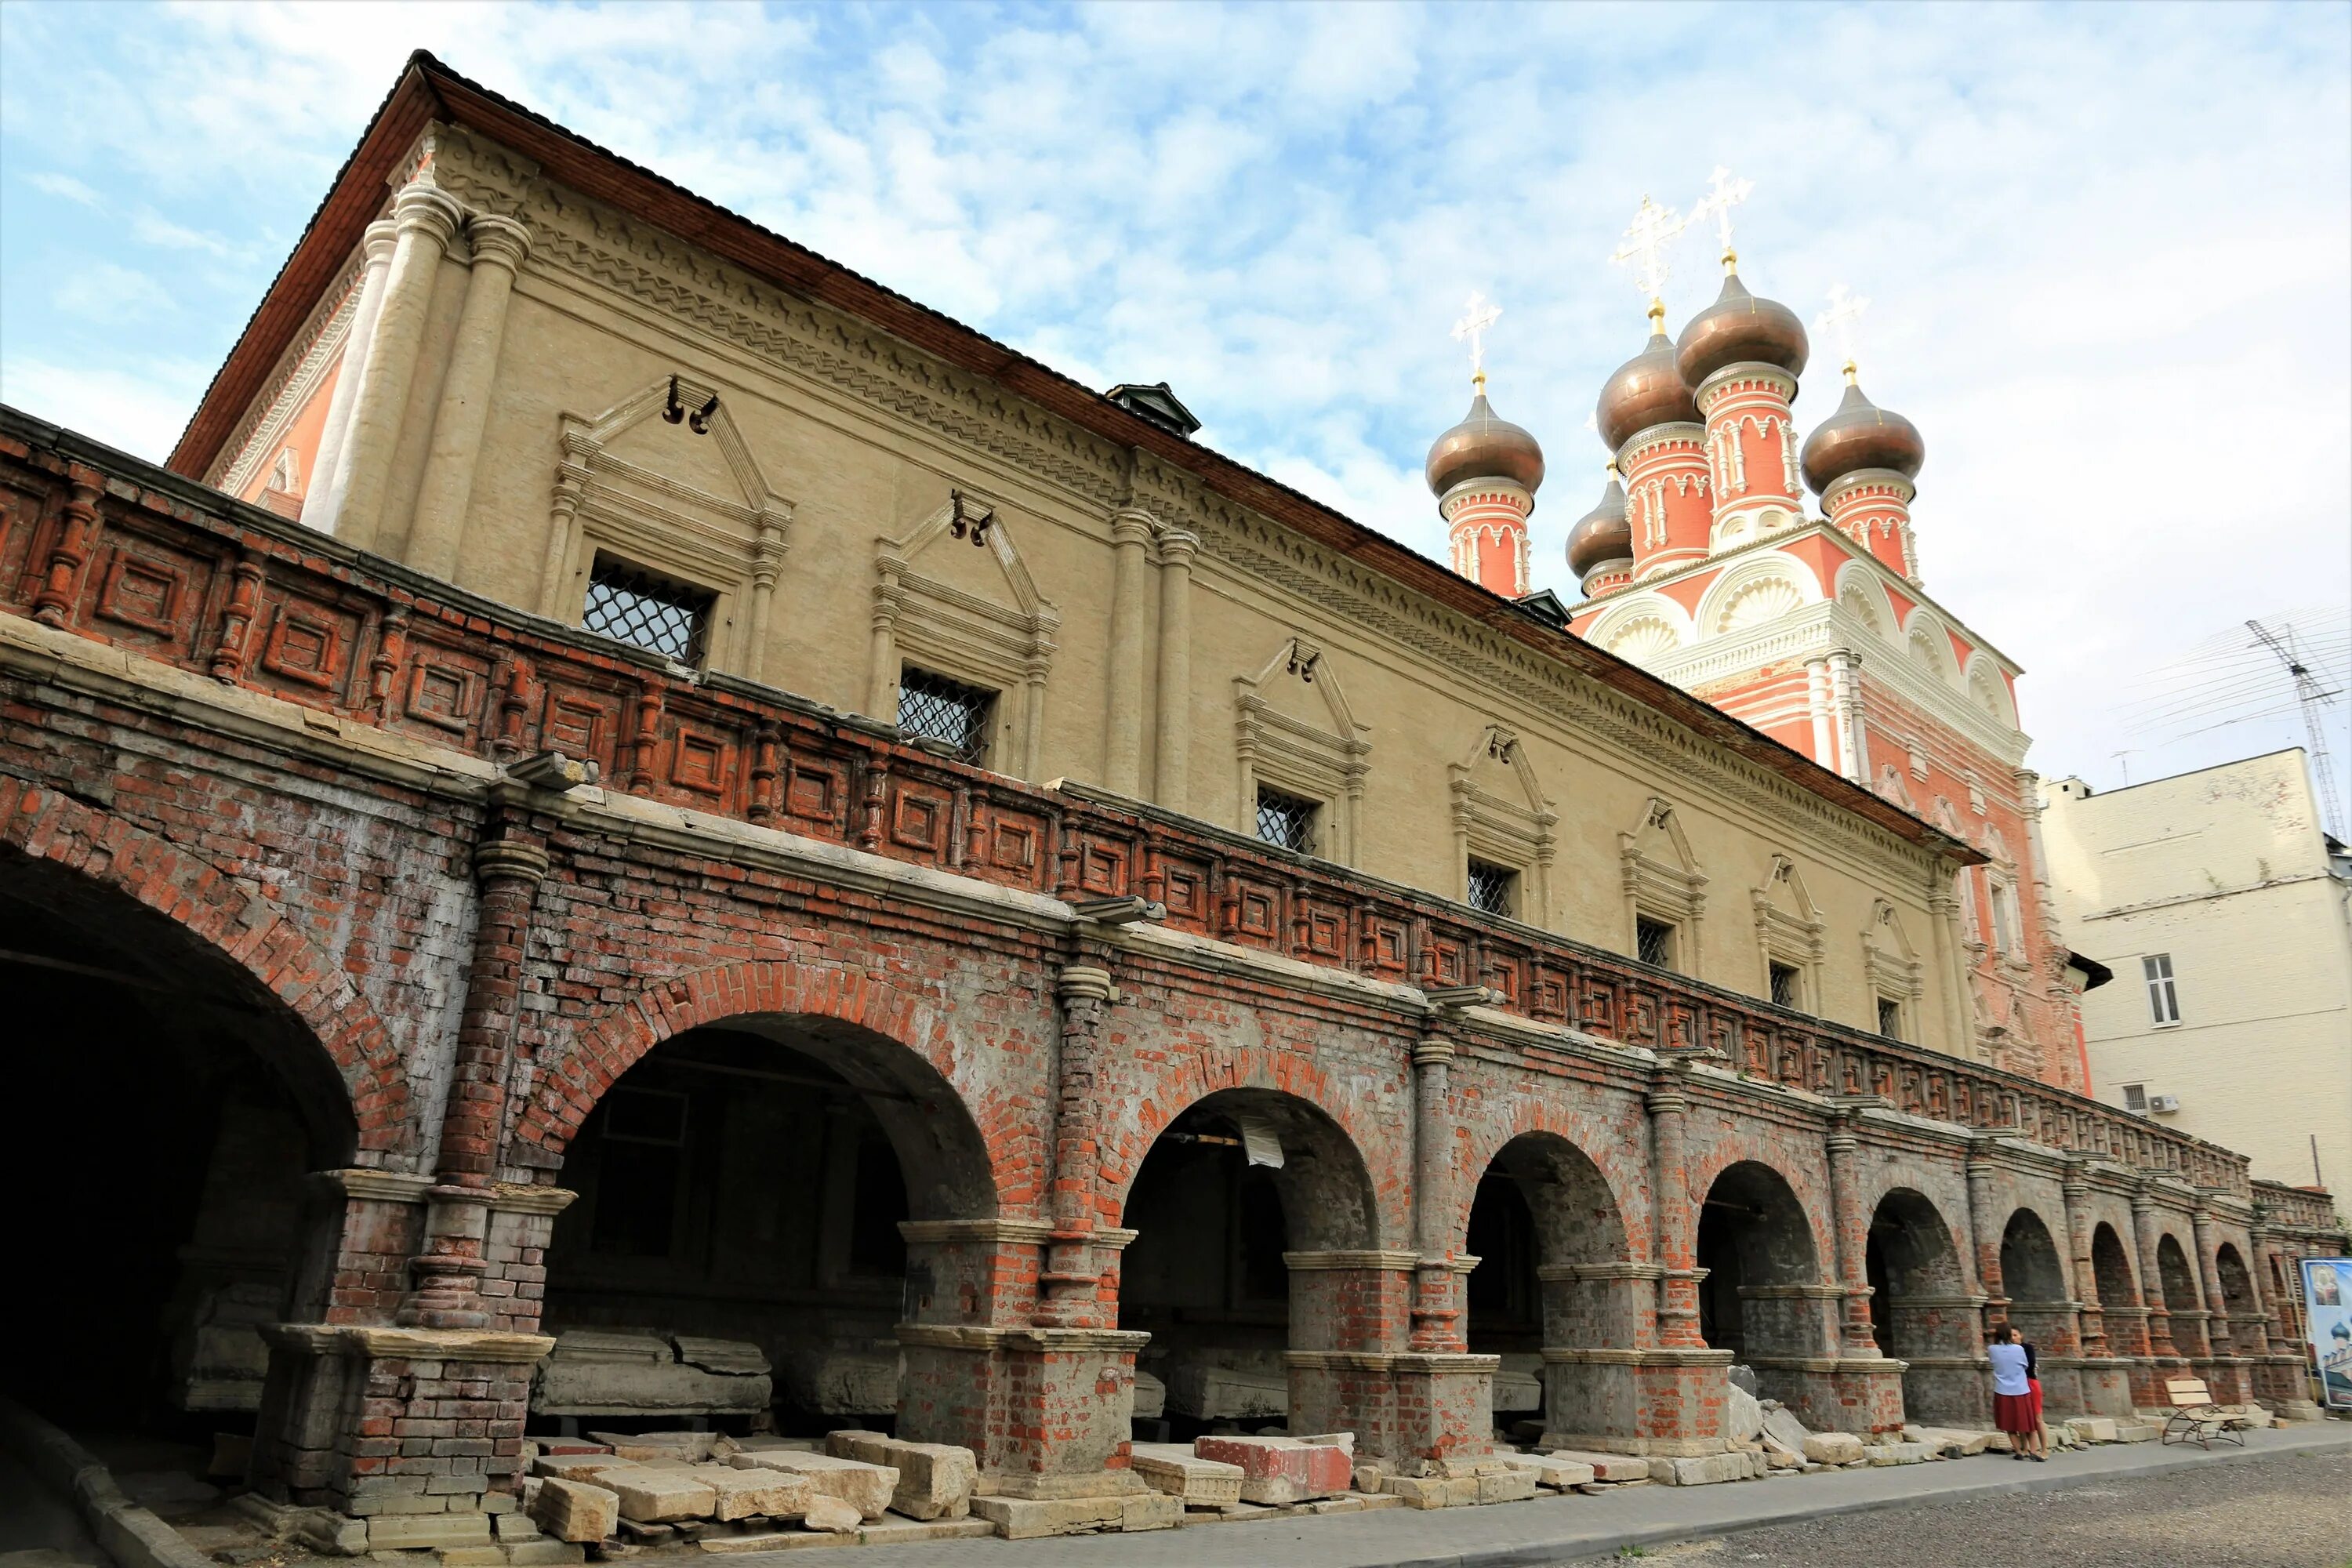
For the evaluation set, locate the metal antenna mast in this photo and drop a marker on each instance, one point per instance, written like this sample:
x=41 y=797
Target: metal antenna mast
x=2315 y=703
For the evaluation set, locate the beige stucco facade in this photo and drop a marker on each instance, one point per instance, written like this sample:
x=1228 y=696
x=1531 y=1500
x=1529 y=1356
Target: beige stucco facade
x=2226 y=874
x=1141 y=633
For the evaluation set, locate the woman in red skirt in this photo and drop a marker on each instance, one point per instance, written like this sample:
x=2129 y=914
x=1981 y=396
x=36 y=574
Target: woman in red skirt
x=2016 y=1395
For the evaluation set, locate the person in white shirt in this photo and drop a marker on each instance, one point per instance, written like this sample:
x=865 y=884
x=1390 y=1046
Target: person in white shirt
x=2016 y=1396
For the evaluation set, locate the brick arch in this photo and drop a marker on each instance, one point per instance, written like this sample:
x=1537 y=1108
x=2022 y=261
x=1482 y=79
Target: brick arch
x=1587 y=1135
x=242 y=927
x=1282 y=1073
x=2029 y=1244
x=568 y=1082
x=1703 y=1170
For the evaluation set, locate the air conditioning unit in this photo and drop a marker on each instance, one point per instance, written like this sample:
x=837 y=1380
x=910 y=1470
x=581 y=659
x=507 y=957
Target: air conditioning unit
x=2163 y=1104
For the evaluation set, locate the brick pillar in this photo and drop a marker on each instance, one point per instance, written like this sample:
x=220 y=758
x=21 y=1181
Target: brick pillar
x=1069 y=1288
x=1985 y=1230
x=2281 y=1378
x=1852 y=1236
x=2144 y=1233
x=1673 y=1230
x=1679 y=1387
x=446 y=1292
x=1437 y=1316
x=2225 y=1375
x=2106 y=1383
x=1444 y=1397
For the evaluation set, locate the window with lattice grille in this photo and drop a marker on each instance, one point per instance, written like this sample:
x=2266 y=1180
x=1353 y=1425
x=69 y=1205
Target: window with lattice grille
x=1493 y=889
x=1890 y=1017
x=1287 y=820
x=1788 y=986
x=631 y=604
x=1653 y=941
x=948 y=711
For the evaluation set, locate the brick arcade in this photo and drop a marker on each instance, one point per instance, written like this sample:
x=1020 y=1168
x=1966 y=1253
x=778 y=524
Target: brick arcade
x=373 y=922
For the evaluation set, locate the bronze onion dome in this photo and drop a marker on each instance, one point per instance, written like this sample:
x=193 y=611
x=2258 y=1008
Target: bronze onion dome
x=1484 y=447
x=1604 y=534
x=1646 y=389
x=1861 y=435
x=1737 y=329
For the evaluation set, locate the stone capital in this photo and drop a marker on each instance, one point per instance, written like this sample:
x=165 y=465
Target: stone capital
x=382 y=236
x=427 y=210
x=501 y=241
x=1084 y=982
x=1178 y=547
x=1130 y=527
x=508 y=860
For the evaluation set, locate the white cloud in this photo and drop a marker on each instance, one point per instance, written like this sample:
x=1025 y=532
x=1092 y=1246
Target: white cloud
x=65 y=187
x=104 y=291
x=140 y=405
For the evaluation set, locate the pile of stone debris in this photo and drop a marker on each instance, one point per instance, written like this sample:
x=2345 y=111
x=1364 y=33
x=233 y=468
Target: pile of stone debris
x=614 y=1495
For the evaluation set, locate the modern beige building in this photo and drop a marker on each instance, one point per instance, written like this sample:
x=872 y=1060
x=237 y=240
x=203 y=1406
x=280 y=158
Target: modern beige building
x=2221 y=906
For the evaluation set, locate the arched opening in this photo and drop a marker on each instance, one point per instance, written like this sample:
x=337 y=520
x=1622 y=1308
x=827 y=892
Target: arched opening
x=2181 y=1300
x=167 y=1217
x=2119 y=1302
x=1550 y=1286
x=1920 y=1312
x=2039 y=1303
x=1763 y=1297
x=739 y=1253
x=2247 y=1329
x=1250 y=1211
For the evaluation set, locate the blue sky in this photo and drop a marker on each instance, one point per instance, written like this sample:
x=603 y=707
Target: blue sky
x=2109 y=249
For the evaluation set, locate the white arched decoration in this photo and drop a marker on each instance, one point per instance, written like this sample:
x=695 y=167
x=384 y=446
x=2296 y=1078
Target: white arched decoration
x=1644 y=627
x=1754 y=592
x=1861 y=596
x=1988 y=690
x=1929 y=645
x=1317 y=764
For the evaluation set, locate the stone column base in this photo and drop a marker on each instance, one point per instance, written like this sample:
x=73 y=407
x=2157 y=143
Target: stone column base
x=1047 y=1412
x=1445 y=1405
x=1861 y=1395
x=337 y=1396
x=2107 y=1386
x=1957 y=1389
x=1353 y=1391
x=1657 y=1401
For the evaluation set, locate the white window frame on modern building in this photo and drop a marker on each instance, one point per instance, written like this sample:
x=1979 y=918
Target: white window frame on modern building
x=2163 y=989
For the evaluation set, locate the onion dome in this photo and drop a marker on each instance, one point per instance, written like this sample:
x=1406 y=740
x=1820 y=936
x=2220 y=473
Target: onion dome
x=1861 y=435
x=1605 y=534
x=1646 y=389
x=1737 y=329
x=1484 y=447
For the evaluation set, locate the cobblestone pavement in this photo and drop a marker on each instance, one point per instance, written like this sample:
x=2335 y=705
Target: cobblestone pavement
x=2282 y=1510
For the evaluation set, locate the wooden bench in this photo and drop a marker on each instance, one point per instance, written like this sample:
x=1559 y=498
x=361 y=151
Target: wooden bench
x=2194 y=1415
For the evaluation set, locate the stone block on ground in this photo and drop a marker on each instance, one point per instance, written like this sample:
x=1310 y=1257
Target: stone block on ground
x=866 y=1488
x=1228 y=1394
x=1832 y=1447
x=1331 y=1440
x=1176 y=1469
x=1433 y=1491
x=1956 y=1442
x=752 y=1493
x=408 y=1532
x=896 y=1531
x=1781 y=1459
x=1883 y=1454
x=935 y=1480
x=831 y=1515
x=1743 y=1418
x=1150 y=1396
x=1505 y=1483
x=1280 y=1470
x=694 y=1447
x=1611 y=1468
x=1368 y=1480
x=1699 y=1469
x=545 y=1554
x=1781 y=1425
x=780 y=1539
x=1518 y=1383
x=1029 y=1519
x=651 y=1495
x=578 y=1467
x=1552 y=1470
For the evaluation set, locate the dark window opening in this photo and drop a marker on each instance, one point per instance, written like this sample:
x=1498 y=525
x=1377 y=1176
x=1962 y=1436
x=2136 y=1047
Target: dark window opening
x=1285 y=820
x=1890 y=1017
x=645 y=1146
x=1788 y=990
x=948 y=711
x=1492 y=887
x=1653 y=941
x=631 y=604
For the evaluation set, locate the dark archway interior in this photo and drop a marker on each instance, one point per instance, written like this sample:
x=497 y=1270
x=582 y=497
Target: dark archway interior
x=2111 y=1271
x=1542 y=1209
x=740 y=1191
x=1918 y=1311
x=168 y=1109
x=2246 y=1329
x=2180 y=1296
x=1205 y=1274
x=1758 y=1250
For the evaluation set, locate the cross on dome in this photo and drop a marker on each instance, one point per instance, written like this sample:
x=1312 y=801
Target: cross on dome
x=1840 y=321
x=1647 y=238
x=1478 y=314
x=1723 y=192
